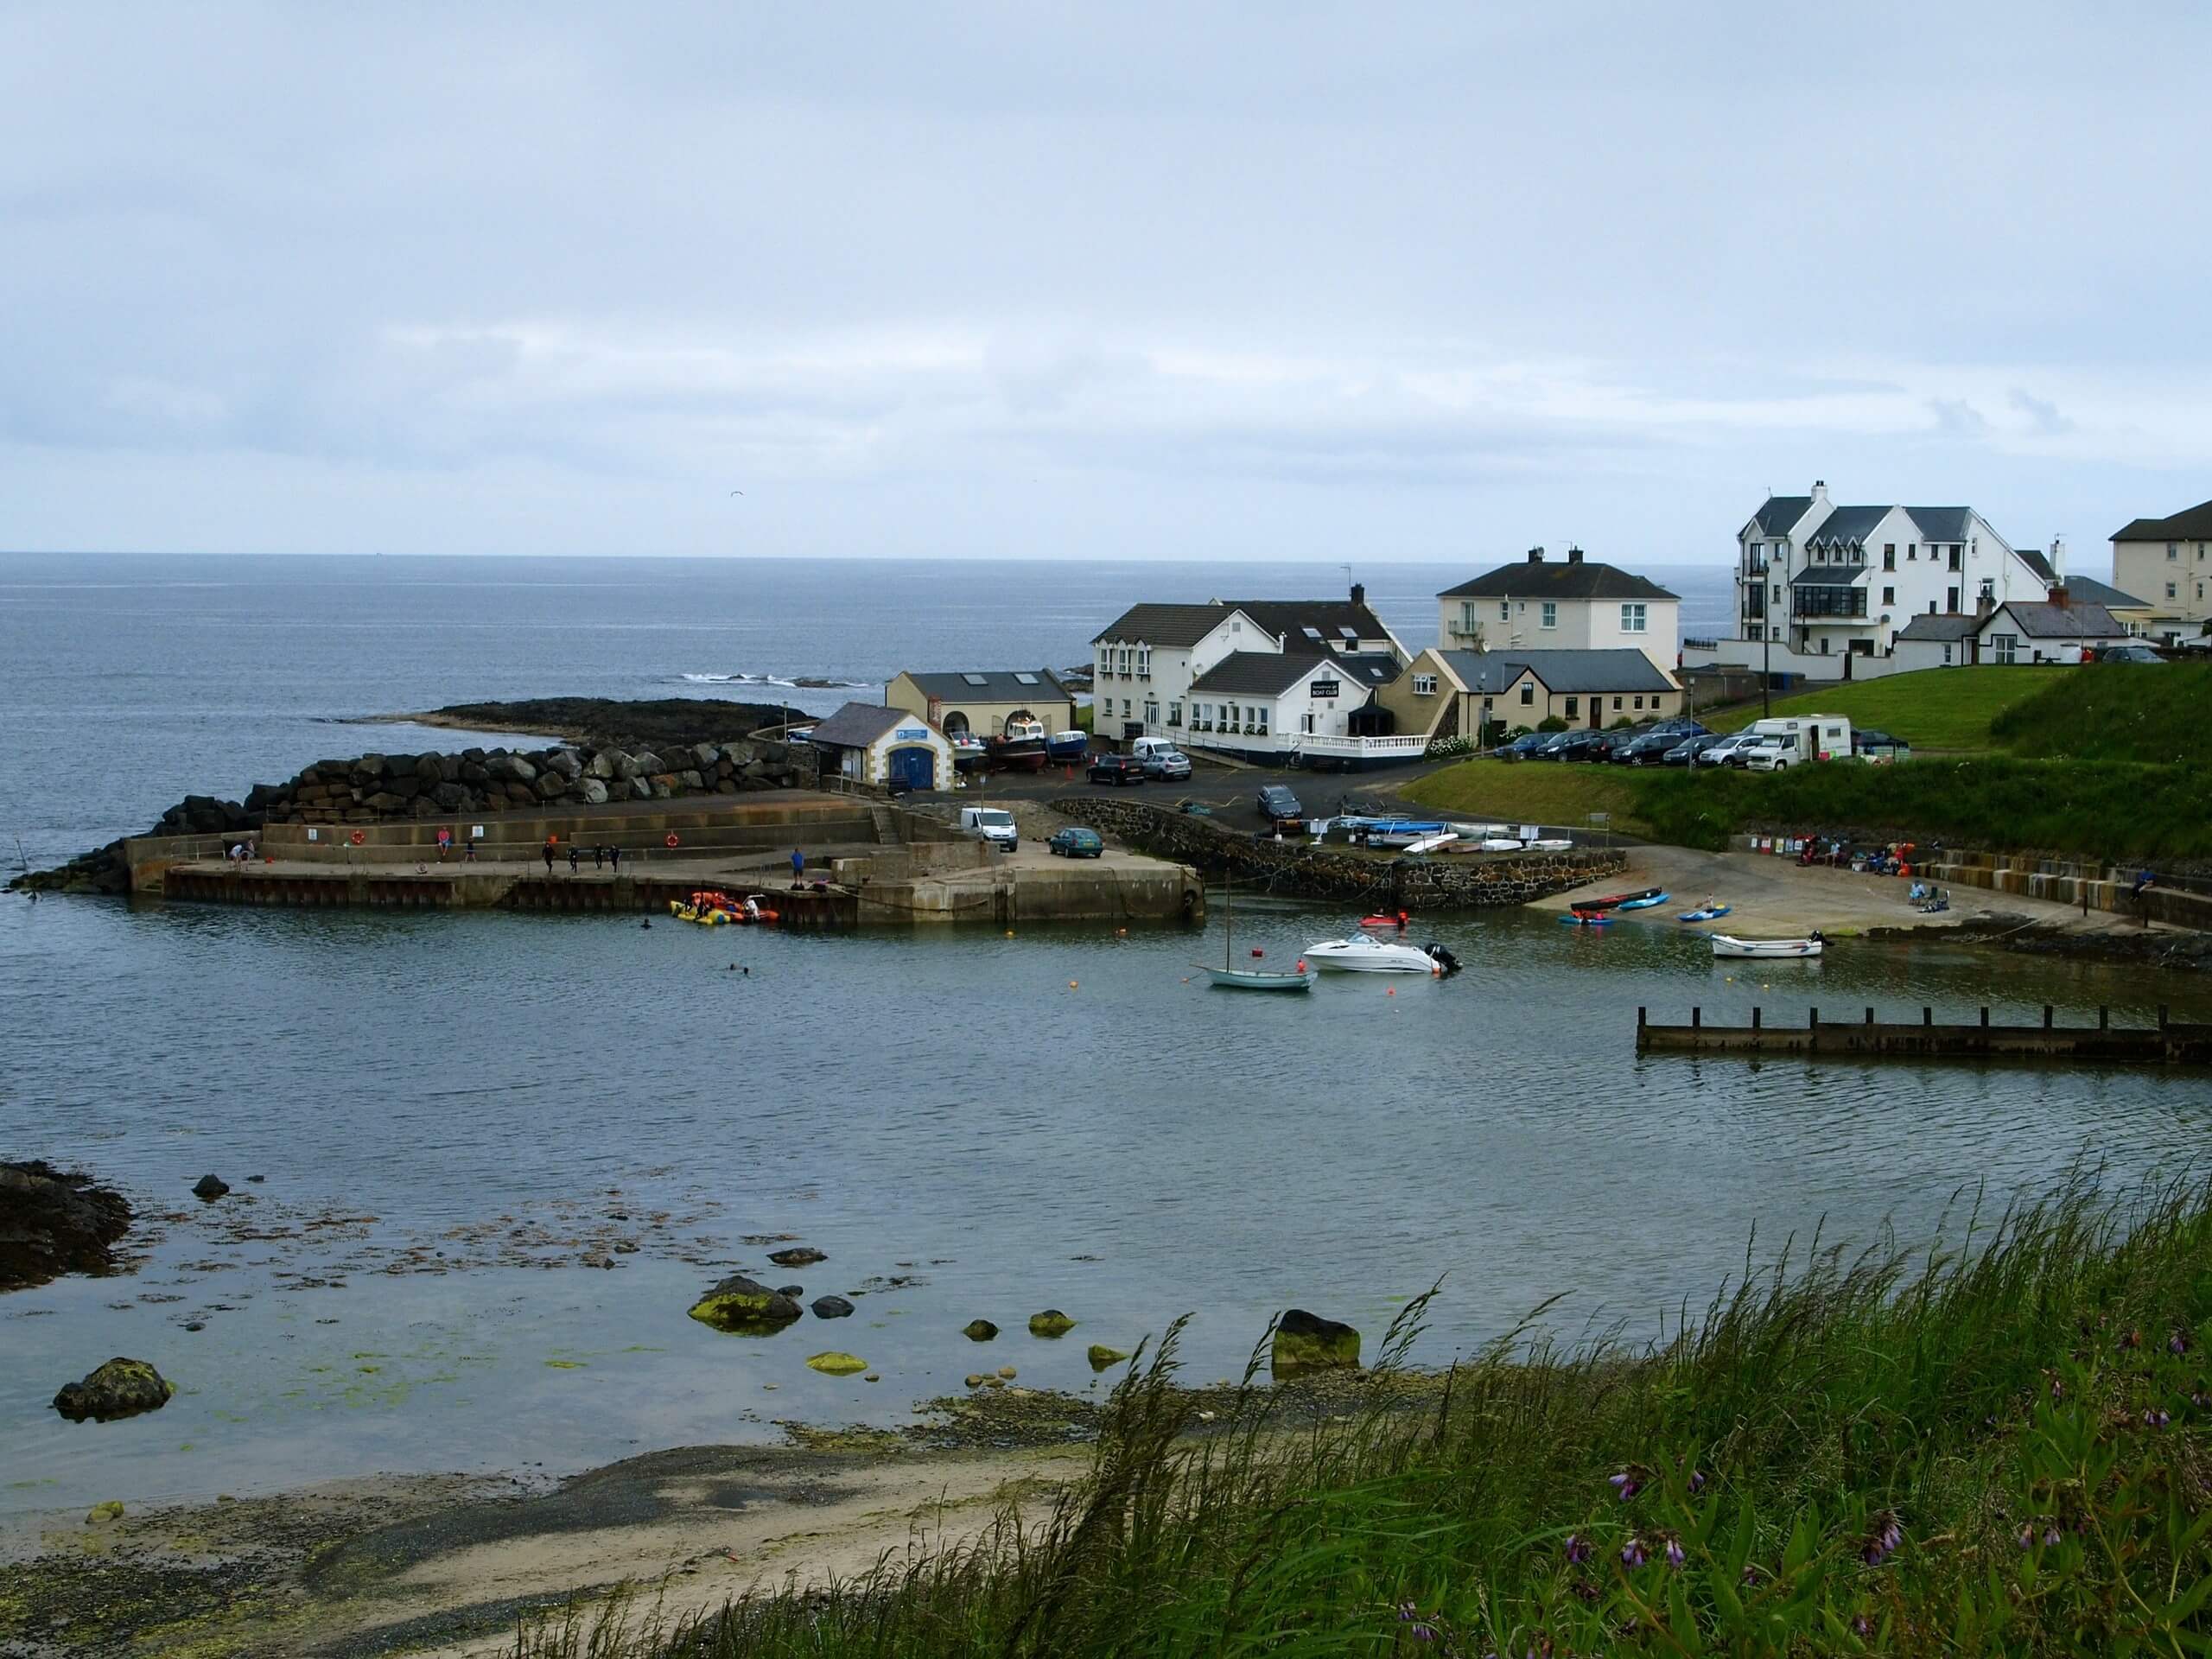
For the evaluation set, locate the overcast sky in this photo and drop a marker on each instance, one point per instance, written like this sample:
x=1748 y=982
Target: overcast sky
x=1136 y=280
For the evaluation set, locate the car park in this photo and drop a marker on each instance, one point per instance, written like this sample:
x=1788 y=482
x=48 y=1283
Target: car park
x=1170 y=765
x=1648 y=749
x=1116 y=769
x=1279 y=805
x=1574 y=745
x=1727 y=751
x=1076 y=841
x=1525 y=745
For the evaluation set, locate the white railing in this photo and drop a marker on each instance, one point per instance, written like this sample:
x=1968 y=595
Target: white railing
x=1362 y=747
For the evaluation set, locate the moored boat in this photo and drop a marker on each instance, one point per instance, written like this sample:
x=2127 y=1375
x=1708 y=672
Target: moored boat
x=1364 y=954
x=1762 y=950
x=1231 y=978
x=1068 y=749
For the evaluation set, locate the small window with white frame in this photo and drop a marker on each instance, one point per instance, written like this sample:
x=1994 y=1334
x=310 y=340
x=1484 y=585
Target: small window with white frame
x=1424 y=685
x=1549 y=616
x=1632 y=619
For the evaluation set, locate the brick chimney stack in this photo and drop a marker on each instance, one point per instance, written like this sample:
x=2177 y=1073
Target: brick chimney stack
x=1574 y=556
x=1536 y=556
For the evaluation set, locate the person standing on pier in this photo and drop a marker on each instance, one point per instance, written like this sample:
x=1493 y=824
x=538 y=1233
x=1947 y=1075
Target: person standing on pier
x=615 y=855
x=799 y=870
x=548 y=849
x=572 y=858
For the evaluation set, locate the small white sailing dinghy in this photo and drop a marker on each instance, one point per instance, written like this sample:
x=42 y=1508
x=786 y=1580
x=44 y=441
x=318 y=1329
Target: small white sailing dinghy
x=1762 y=950
x=1233 y=978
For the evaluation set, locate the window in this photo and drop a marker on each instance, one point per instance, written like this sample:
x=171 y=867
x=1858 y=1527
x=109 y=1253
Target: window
x=1955 y=551
x=1144 y=662
x=1889 y=595
x=1755 y=632
x=1947 y=656
x=1151 y=712
x=1506 y=610
x=1528 y=693
x=1777 y=593
x=1467 y=623
x=1950 y=599
x=1424 y=685
x=1631 y=618
x=1758 y=557
x=2170 y=590
x=1174 y=713
x=1122 y=661
x=2006 y=645
x=1105 y=665
x=1550 y=613
x=1888 y=556
x=1639 y=702
x=1570 y=702
x=1125 y=708
x=1616 y=703
x=1912 y=552
x=2173 y=550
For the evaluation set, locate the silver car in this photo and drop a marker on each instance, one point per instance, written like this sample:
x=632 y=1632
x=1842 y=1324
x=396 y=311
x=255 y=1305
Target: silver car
x=1728 y=751
x=1171 y=765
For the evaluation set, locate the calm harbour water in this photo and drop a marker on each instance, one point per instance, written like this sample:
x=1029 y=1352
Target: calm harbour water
x=1056 y=1119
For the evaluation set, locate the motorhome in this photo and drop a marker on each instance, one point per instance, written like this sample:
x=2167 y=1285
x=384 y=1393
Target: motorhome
x=1777 y=745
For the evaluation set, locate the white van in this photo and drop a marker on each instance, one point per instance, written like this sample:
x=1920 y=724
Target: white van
x=992 y=824
x=1778 y=744
x=1145 y=746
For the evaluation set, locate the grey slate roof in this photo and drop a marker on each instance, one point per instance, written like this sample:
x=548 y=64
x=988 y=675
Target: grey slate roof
x=1846 y=526
x=1558 y=579
x=1370 y=668
x=1162 y=624
x=1487 y=673
x=2088 y=589
x=999 y=685
x=858 y=724
x=2069 y=621
x=1292 y=616
x=1261 y=673
x=2033 y=558
x=1941 y=524
x=2190 y=525
x=1780 y=514
x=1947 y=625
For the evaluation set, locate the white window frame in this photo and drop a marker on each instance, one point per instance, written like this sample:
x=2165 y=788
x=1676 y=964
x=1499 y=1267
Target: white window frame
x=1549 y=616
x=1424 y=685
x=1633 y=619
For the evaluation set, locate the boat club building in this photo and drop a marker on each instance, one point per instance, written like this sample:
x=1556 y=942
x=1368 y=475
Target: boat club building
x=1454 y=693
x=870 y=743
x=979 y=702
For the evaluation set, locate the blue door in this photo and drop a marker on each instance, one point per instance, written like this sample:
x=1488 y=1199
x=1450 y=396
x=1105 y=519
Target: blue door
x=914 y=768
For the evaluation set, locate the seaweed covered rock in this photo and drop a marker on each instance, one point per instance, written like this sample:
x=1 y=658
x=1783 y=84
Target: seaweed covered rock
x=1051 y=1323
x=979 y=1330
x=740 y=1304
x=53 y=1223
x=799 y=1255
x=1306 y=1343
x=122 y=1387
x=1103 y=1358
x=833 y=1364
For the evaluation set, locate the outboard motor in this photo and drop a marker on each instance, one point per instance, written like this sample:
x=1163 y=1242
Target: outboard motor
x=1442 y=957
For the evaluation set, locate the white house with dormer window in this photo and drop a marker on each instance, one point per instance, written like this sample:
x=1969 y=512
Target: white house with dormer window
x=1824 y=591
x=1258 y=678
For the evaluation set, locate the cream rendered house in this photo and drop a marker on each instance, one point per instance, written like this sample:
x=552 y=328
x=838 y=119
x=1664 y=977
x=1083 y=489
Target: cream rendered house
x=1454 y=693
x=1571 y=604
x=2165 y=563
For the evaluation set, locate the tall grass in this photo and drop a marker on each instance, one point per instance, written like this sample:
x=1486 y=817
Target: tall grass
x=1998 y=1443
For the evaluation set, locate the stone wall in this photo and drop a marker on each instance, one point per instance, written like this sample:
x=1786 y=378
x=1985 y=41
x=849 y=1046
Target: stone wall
x=1467 y=881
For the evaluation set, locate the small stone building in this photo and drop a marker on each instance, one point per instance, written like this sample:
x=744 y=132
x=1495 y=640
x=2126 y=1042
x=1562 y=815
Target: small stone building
x=871 y=744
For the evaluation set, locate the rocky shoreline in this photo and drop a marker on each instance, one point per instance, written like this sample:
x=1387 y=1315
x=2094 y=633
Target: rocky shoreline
x=54 y=1222
x=662 y=750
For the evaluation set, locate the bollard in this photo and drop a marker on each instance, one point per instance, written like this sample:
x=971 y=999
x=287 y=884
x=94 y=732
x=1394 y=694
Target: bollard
x=2046 y=1016
x=2104 y=1018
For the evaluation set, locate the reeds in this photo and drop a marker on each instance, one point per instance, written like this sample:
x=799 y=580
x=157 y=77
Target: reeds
x=1841 y=1451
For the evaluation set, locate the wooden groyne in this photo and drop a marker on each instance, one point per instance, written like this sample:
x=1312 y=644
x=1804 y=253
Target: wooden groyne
x=2168 y=1042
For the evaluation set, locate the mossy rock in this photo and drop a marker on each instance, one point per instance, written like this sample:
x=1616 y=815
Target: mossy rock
x=833 y=1364
x=979 y=1330
x=745 y=1305
x=1051 y=1323
x=122 y=1387
x=1306 y=1343
x=1102 y=1358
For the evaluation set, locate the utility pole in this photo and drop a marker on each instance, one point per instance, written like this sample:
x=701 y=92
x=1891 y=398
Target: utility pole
x=1766 y=648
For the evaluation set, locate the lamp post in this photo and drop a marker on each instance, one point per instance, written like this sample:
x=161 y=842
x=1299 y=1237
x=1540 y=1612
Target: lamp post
x=1767 y=650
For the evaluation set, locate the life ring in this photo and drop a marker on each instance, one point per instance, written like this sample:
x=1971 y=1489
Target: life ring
x=672 y=840
x=358 y=836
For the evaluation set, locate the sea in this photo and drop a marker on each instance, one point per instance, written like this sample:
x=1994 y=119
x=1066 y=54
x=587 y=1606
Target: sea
x=498 y=1156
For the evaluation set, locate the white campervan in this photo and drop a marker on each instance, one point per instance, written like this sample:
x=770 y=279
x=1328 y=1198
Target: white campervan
x=1778 y=744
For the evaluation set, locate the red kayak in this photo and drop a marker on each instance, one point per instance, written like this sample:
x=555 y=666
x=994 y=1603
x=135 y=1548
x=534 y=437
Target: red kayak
x=1400 y=920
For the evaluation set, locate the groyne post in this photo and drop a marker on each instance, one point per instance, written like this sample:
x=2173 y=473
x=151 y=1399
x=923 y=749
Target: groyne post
x=1755 y=1018
x=2104 y=1018
x=2046 y=1016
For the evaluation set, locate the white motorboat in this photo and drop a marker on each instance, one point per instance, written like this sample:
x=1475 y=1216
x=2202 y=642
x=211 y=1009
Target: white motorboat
x=1726 y=945
x=1363 y=954
x=1551 y=844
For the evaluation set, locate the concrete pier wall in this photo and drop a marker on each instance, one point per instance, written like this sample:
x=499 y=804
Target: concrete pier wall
x=2167 y=1042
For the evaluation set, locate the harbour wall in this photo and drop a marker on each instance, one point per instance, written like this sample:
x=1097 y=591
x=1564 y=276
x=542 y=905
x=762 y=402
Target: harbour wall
x=1465 y=881
x=2168 y=1042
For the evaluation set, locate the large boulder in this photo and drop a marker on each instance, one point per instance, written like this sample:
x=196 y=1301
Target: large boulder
x=626 y=767
x=567 y=762
x=690 y=779
x=1051 y=1323
x=449 y=797
x=1306 y=1343
x=369 y=765
x=53 y=1223
x=833 y=1364
x=979 y=1330
x=430 y=768
x=551 y=785
x=593 y=791
x=705 y=755
x=601 y=765
x=509 y=769
x=208 y=1188
x=745 y=1305
x=641 y=789
x=832 y=1307
x=799 y=1255
x=122 y=1387
x=649 y=763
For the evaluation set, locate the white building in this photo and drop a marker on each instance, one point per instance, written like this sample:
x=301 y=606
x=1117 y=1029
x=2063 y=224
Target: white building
x=1574 y=604
x=1823 y=591
x=872 y=744
x=2061 y=628
x=2164 y=561
x=1262 y=678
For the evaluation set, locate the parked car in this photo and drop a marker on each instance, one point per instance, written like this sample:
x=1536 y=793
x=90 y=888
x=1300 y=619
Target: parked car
x=1728 y=751
x=1685 y=754
x=1611 y=743
x=1521 y=747
x=1172 y=765
x=1862 y=740
x=2131 y=652
x=1279 y=805
x=1648 y=750
x=1076 y=841
x=1575 y=746
x=1678 y=726
x=1116 y=769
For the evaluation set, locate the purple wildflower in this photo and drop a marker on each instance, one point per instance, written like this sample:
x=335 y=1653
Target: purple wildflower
x=2155 y=1419
x=1628 y=1483
x=1697 y=1481
x=1633 y=1553
x=1862 y=1626
x=2200 y=1399
x=1882 y=1541
x=2177 y=1343
x=2027 y=1537
x=1753 y=1573
x=1675 y=1555
x=1577 y=1549
x=2051 y=1535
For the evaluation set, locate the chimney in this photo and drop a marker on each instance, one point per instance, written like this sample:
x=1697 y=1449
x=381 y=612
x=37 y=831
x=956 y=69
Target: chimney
x=1574 y=556
x=1536 y=556
x=1819 y=491
x=2058 y=593
x=1359 y=594
x=2058 y=556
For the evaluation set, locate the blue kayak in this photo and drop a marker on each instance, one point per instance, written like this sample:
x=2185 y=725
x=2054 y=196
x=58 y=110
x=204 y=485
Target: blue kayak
x=1649 y=901
x=1712 y=914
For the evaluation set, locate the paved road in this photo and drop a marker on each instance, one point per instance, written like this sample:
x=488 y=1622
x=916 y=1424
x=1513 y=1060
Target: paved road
x=1232 y=792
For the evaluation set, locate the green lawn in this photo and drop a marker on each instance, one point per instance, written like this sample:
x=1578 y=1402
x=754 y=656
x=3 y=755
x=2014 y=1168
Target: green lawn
x=1932 y=708
x=2118 y=711
x=1530 y=791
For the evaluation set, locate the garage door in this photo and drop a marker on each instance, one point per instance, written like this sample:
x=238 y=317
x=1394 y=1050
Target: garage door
x=914 y=768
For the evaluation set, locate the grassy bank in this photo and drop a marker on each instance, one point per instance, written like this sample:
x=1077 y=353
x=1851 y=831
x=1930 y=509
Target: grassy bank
x=1932 y=708
x=2153 y=715
x=2000 y=1445
x=1521 y=792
